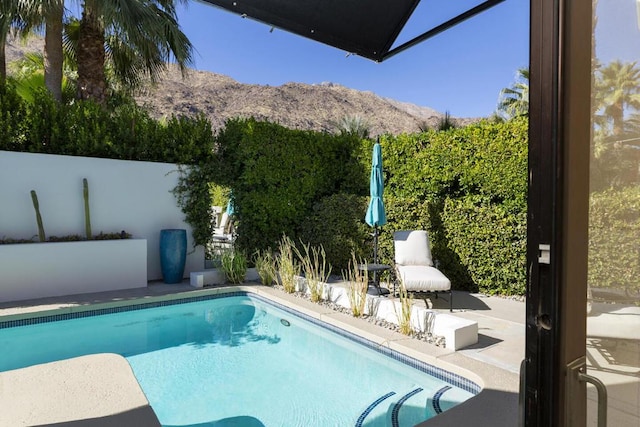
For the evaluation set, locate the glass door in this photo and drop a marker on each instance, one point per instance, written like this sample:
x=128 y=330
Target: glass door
x=582 y=357
x=613 y=283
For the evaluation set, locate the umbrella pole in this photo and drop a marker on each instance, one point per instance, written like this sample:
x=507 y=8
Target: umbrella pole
x=375 y=244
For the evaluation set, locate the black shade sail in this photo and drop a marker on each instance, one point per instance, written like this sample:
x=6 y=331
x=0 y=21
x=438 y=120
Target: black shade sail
x=367 y=28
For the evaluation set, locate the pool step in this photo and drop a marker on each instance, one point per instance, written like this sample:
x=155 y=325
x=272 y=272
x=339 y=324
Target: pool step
x=399 y=409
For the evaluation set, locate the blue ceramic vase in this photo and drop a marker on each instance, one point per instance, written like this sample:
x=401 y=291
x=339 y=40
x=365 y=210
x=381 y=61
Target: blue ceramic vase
x=173 y=254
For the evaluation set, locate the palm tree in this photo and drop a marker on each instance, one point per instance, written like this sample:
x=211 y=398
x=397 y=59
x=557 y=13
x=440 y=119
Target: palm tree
x=8 y=18
x=617 y=88
x=53 y=56
x=354 y=125
x=141 y=35
x=28 y=77
x=514 y=101
x=25 y=15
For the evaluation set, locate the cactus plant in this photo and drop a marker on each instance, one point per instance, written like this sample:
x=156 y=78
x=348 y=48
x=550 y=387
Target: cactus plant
x=36 y=206
x=87 y=212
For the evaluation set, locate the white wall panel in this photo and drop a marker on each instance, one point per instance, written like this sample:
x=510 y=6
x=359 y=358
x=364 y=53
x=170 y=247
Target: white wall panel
x=124 y=195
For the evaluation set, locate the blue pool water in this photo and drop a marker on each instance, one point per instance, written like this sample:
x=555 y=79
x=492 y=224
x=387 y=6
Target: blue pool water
x=242 y=361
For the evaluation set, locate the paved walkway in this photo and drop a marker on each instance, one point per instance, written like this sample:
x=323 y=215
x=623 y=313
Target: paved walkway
x=501 y=326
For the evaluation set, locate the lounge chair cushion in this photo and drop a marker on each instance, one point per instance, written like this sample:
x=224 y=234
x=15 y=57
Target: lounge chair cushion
x=422 y=278
x=412 y=248
x=224 y=225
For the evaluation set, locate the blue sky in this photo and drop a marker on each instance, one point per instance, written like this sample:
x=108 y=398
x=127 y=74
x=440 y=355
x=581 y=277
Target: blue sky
x=617 y=31
x=461 y=70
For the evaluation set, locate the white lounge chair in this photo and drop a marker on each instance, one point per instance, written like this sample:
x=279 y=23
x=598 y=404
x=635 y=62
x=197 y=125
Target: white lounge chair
x=223 y=228
x=414 y=266
x=223 y=234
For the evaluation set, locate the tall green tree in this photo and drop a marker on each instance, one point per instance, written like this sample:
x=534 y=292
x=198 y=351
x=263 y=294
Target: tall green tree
x=354 y=125
x=617 y=89
x=141 y=35
x=8 y=18
x=23 y=16
x=53 y=53
x=514 y=100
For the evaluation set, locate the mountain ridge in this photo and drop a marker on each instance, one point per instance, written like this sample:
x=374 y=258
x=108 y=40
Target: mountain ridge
x=318 y=107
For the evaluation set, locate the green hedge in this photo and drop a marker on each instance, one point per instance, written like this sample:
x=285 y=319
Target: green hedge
x=278 y=174
x=125 y=131
x=337 y=224
x=12 y=118
x=614 y=227
x=468 y=188
x=489 y=242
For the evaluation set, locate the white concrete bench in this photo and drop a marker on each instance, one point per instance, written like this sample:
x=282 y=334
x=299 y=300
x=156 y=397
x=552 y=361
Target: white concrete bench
x=458 y=332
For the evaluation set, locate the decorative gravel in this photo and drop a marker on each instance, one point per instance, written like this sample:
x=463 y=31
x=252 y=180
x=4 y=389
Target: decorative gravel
x=438 y=341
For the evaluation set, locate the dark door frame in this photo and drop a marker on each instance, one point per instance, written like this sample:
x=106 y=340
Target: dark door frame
x=559 y=135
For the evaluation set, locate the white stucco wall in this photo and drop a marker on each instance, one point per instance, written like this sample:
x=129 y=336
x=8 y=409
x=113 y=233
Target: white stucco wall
x=123 y=195
x=39 y=270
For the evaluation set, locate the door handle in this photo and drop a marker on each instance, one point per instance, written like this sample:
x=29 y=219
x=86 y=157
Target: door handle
x=576 y=376
x=602 y=396
x=521 y=399
x=543 y=321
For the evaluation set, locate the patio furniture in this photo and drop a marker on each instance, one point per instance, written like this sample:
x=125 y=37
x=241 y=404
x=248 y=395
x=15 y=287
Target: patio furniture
x=223 y=228
x=414 y=265
x=223 y=235
x=377 y=270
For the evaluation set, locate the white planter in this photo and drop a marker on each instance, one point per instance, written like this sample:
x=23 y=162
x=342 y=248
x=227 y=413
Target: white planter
x=37 y=270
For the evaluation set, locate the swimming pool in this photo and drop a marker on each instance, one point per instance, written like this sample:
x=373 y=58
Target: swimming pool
x=243 y=359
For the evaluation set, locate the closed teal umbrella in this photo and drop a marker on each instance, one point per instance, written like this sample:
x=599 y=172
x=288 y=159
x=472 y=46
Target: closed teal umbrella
x=231 y=209
x=376 y=215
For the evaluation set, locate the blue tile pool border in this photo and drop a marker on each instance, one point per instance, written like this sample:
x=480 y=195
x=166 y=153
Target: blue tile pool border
x=112 y=310
x=439 y=373
x=395 y=412
x=371 y=407
x=436 y=399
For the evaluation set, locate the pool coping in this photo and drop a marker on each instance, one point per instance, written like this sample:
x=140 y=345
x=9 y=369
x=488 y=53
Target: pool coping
x=495 y=405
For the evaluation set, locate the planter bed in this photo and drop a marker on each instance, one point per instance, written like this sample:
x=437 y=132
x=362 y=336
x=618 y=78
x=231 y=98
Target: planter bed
x=37 y=270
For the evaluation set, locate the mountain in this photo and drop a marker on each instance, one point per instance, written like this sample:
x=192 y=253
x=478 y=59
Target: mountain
x=319 y=107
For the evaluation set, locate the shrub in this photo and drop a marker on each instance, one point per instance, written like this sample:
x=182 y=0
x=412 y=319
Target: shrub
x=277 y=174
x=404 y=317
x=266 y=266
x=337 y=224
x=234 y=265
x=358 y=284
x=194 y=199
x=316 y=270
x=467 y=186
x=614 y=226
x=490 y=243
x=288 y=269
x=12 y=119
